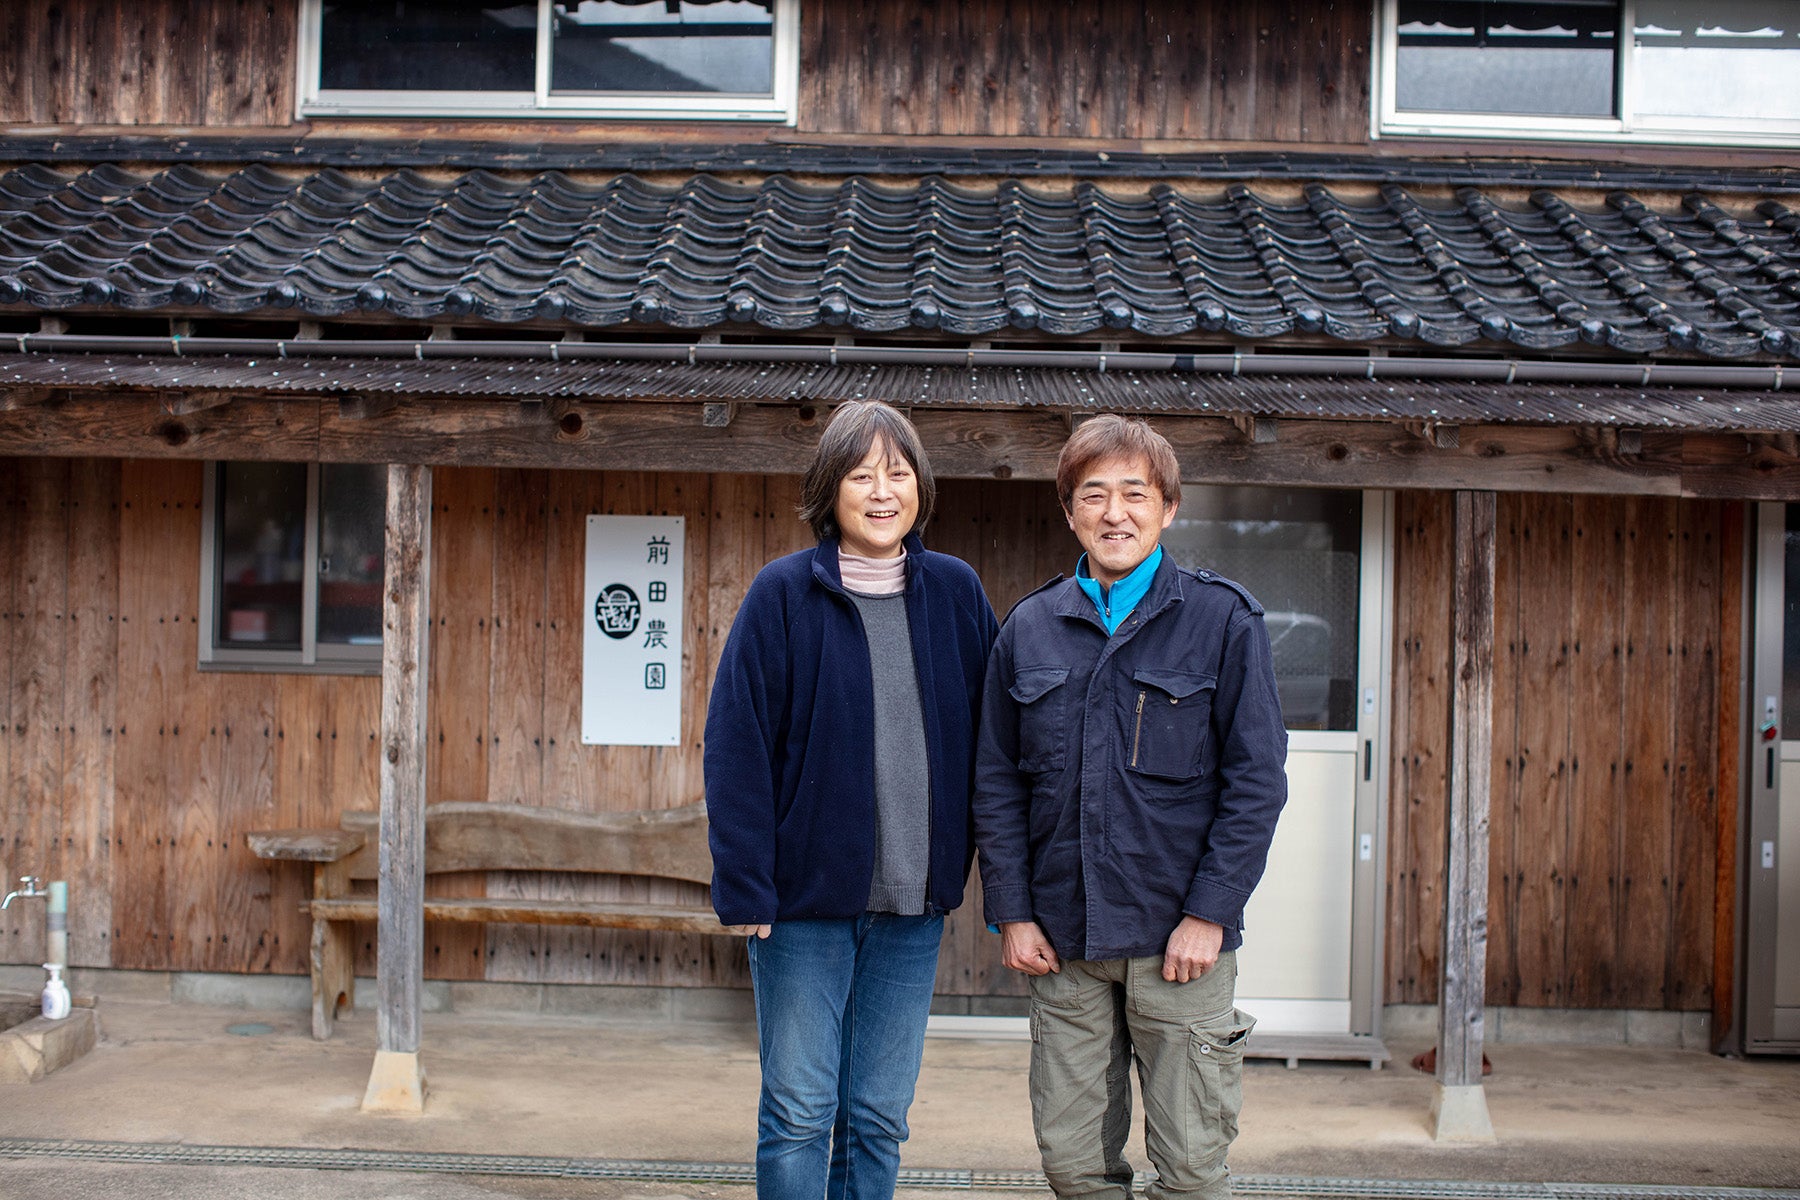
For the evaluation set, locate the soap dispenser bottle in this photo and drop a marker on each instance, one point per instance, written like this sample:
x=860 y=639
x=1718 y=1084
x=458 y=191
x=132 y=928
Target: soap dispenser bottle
x=56 y=993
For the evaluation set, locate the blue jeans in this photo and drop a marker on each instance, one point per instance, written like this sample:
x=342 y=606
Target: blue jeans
x=840 y=1020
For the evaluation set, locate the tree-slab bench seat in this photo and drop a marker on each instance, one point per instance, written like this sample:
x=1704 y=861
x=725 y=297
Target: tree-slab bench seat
x=460 y=837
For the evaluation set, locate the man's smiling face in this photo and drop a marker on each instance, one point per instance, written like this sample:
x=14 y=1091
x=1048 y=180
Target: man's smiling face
x=1118 y=516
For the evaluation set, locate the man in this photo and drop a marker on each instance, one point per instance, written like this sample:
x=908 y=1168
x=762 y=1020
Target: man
x=1128 y=778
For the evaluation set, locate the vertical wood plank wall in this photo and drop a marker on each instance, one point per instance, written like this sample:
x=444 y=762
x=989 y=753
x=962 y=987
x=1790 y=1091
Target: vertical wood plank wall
x=1257 y=71
x=1612 y=615
x=135 y=776
x=157 y=62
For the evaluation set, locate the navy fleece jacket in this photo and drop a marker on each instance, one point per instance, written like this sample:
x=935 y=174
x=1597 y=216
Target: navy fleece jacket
x=790 y=767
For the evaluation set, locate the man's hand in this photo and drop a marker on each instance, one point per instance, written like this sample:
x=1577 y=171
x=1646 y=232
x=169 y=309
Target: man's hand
x=1023 y=947
x=763 y=931
x=1193 y=949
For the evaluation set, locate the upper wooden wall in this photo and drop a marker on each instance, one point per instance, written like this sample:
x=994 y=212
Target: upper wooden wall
x=1616 y=632
x=1259 y=71
x=148 y=62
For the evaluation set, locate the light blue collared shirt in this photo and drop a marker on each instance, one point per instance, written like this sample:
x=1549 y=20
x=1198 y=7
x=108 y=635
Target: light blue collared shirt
x=1115 y=603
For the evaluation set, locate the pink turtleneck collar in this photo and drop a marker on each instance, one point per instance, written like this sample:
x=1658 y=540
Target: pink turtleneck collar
x=872 y=576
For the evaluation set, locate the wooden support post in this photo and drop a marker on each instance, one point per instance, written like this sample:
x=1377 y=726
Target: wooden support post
x=1459 y=1107
x=396 y=1083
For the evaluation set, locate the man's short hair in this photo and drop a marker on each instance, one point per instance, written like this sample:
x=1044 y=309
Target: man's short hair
x=849 y=436
x=1113 y=436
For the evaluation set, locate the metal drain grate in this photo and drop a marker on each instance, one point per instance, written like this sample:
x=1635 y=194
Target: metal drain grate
x=659 y=1171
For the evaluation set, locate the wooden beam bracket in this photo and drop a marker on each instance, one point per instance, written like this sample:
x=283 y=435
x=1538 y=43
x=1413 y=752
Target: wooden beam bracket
x=23 y=397
x=1261 y=431
x=364 y=406
x=718 y=415
x=184 y=404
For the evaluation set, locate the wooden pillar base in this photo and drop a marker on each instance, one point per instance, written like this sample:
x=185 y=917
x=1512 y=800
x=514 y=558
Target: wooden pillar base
x=1459 y=1113
x=396 y=1084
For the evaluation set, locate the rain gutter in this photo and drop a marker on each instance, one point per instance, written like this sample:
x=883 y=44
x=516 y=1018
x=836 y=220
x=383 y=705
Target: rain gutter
x=1472 y=370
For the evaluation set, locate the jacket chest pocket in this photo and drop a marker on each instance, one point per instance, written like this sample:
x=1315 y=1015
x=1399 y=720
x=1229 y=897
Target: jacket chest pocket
x=1169 y=722
x=1043 y=723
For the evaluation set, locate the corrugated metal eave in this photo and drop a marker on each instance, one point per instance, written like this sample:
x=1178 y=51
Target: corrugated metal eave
x=1148 y=393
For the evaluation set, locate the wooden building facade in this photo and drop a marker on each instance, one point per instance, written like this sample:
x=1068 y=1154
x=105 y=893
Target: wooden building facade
x=1620 y=609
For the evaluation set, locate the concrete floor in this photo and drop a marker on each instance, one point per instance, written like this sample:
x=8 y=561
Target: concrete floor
x=542 y=1086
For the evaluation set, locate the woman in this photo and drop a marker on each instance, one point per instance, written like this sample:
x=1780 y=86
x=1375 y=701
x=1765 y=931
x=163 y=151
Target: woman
x=839 y=754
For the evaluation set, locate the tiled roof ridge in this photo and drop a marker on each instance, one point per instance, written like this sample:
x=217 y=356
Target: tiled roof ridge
x=1635 y=273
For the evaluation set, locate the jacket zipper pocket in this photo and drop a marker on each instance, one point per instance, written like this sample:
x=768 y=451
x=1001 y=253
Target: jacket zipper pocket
x=1137 y=735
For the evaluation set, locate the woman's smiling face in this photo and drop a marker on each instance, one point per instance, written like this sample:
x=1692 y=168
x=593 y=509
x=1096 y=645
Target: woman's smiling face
x=877 y=503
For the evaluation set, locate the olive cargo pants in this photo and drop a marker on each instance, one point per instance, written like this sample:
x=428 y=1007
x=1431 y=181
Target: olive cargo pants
x=1088 y=1022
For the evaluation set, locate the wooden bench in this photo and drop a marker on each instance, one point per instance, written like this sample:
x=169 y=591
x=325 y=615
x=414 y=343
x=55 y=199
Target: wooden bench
x=662 y=844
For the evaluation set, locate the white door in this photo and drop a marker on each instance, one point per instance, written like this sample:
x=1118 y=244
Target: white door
x=1772 y=869
x=1317 y=561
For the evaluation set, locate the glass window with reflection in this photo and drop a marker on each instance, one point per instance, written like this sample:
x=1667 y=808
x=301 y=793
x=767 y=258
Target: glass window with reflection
x=1694 y=70
x=293 y=576
x=649 y=58
x=1476 y=56
x=1299 y=553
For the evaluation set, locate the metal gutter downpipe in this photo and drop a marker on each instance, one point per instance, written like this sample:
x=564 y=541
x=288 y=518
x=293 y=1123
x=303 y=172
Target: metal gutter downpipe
x=1477 y=370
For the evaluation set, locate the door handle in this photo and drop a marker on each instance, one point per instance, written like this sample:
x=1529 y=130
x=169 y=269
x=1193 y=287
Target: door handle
x=1770 y=784
x=1368 y=759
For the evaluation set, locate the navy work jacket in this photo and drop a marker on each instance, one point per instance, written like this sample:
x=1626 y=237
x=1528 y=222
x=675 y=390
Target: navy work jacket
x=790 y=752
x=1124 y=781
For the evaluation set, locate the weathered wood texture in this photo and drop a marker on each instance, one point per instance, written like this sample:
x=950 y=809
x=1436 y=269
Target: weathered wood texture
x=1611 y=696
x=1461 y=1023
x=405 y=676
x=160 y=769
x=1261 y=71
x=99 y=624
x=158 y=62
x=652 y=435
x=1193 y=72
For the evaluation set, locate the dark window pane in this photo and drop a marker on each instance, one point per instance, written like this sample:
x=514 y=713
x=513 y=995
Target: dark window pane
x=1299 y=553
x=352 y=516
x=721 y=47
x=429 y=45
x=1790 y=646
x=262 y=554
x=1548 y=59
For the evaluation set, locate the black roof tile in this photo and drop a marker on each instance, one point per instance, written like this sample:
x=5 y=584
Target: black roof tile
x=1541 y=274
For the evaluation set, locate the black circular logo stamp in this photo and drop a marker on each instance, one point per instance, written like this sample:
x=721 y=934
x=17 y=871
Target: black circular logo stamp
x=616 y=611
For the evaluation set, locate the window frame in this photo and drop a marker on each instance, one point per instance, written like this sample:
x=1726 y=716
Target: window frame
x=1387 y=121
x=780 y=106
x=313 y=657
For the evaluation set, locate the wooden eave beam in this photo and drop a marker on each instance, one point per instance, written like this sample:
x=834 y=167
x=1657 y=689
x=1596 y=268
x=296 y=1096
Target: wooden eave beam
x=669 y=435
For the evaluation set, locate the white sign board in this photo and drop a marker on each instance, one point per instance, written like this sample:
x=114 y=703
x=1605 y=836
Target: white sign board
x=631 y=647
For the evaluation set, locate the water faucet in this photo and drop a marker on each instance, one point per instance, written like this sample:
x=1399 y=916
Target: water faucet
x=33 y=887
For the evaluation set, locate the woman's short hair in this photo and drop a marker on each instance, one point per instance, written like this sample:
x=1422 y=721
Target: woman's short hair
x=849 y=436
x=1113 y=436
